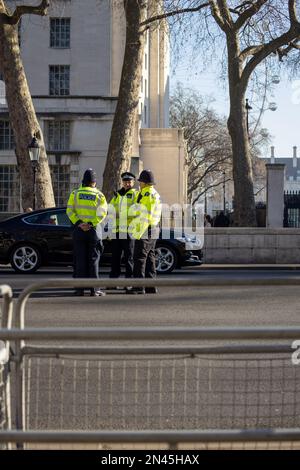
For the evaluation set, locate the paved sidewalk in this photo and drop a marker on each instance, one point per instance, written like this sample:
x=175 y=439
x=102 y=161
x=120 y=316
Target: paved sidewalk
x=252 y=266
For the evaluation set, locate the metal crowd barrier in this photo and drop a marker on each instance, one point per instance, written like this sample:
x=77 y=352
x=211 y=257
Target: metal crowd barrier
x=5 y=322
x=201 y=386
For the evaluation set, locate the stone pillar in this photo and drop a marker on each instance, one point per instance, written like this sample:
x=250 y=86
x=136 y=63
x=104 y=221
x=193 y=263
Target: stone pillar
x=275 y=194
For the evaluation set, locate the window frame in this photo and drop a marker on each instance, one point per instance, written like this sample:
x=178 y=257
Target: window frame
x=9 y=137
x=62 y=134
x=60 y=34
x=59 y=80
x=10 y=189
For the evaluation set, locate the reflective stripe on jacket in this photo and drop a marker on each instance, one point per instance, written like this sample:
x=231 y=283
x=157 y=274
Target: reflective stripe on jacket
x=120 y=219
x=148 y=212
x=86 y=204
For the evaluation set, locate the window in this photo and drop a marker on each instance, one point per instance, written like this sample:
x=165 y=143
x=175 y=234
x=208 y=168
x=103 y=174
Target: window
x=60 y=175
x=9 y=189
x=59 y=80
x=2 y=91
x=60 y=33
x=49 y=218
x=6 y=136
x=58 y=135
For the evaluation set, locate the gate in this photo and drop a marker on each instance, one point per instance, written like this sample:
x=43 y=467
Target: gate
x=291 y=209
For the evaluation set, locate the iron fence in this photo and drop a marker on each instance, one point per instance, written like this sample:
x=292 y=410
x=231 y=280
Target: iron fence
x=291 y=209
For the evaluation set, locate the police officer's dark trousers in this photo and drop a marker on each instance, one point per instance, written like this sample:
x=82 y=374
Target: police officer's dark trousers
x=122 y=245
x=144 y=258
x=86 y=253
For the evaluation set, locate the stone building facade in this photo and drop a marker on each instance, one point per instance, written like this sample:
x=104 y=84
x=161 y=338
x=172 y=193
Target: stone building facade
x=73 y=61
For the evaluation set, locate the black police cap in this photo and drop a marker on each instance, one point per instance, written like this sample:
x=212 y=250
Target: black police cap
x=127 y=176
x=147 y=177
x=89 y=176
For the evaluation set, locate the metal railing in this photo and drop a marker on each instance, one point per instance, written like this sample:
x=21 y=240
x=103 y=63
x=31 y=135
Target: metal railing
x=153 y=384
x=152 y=392
x=5 y=322
x=166 y=282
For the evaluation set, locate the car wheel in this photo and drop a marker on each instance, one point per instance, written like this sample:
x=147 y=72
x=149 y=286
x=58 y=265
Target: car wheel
x=166 y=259
x=25 y=259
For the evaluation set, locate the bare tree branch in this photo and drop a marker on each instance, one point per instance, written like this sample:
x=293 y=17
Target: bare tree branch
x=274 y=45
x=211 y=186
x=225 y=13
x=20 y=10
x=251 y=50
x=237 y=10
x=217 y=15
x=292 y=11
x=248 y=13
x=174 y=13
x=283 y=52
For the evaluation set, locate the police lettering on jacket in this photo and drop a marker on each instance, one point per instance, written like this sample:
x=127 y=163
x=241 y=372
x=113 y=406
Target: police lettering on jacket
x=86 y=204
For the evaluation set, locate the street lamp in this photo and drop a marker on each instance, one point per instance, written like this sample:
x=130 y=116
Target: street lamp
x=224 y=192
x=276 y=79
x=34 y=154
x=272 y=106
x=248 y=108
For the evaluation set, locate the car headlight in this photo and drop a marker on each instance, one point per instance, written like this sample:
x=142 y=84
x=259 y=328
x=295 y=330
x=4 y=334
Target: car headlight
x=188 y=239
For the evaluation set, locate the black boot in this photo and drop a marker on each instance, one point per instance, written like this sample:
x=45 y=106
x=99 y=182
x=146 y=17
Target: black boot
x=135 y=291
x=151 y=290
x=97 y=293
x=79 y=293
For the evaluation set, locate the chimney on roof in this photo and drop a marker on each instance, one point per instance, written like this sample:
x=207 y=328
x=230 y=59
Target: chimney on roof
x=272 y=154
x=295 y=157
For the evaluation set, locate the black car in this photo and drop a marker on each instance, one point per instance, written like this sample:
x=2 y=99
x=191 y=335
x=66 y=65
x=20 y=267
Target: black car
x=44 y=237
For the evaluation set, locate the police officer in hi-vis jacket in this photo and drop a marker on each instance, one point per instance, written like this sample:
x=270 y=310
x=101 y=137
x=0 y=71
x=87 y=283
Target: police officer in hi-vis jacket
x=144 y=229
x=86 y=209
x=121 y=242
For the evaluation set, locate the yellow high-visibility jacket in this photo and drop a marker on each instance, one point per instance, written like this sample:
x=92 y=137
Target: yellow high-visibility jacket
x=86 y=204
x=147 y=212
x=122 y=201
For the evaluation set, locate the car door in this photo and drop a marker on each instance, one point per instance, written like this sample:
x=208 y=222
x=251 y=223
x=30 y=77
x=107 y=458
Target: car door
x=53 y=231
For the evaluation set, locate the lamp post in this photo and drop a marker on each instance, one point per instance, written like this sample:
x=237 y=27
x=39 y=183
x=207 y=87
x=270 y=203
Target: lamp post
x=224 y=193
x=248 y=108
x=34 y=154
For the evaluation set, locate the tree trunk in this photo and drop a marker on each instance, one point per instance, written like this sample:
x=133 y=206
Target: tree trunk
x=23 y=121
x=121 y=139
x=244 y=203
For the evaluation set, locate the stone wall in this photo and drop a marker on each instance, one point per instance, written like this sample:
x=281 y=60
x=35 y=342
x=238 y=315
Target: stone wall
x=163 y=151
x=251 y=245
